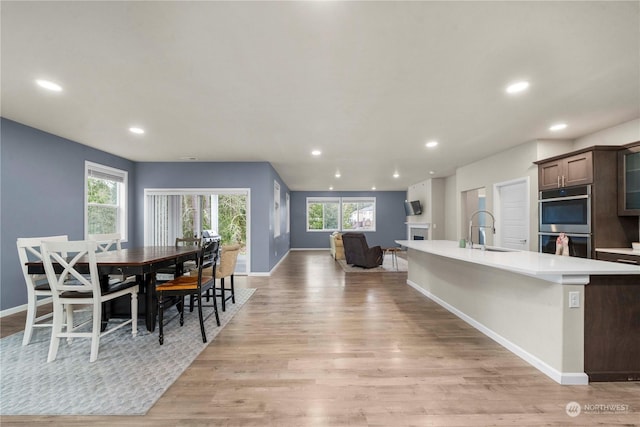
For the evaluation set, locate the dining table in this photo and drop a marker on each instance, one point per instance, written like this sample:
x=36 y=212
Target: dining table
x=143 y=263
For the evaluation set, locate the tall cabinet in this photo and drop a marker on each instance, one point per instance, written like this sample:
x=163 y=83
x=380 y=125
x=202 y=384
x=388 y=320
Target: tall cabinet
x=629 y=180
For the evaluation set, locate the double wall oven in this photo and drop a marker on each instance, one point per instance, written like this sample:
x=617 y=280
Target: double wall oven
x=565 y=210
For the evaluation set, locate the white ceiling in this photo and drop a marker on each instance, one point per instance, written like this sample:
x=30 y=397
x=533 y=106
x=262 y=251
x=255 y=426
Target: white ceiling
x=368 y=83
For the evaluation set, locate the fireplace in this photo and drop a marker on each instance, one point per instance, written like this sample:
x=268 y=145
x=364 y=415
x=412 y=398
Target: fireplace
x=418 y=231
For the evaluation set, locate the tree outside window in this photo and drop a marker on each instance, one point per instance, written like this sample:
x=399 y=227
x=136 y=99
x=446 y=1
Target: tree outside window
x=106 y=201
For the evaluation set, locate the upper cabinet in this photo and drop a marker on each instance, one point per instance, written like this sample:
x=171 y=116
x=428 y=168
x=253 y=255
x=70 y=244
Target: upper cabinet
x=629 y=180
x=567 y=171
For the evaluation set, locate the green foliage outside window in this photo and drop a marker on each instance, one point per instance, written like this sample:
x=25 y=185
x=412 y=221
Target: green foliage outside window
x=232 y=218
x=102 y=197
x=323 y=216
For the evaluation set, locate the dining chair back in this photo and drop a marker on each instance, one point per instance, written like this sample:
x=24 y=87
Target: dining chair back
x=37 y=285
x=72 y=271
x=107 y=241
x=193 y=285
x=226 y=268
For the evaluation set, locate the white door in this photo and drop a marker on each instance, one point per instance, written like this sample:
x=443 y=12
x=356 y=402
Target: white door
x=512 y=214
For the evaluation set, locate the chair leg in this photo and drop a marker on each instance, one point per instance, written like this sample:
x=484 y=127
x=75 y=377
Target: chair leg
x=160 y=317
x=181 y=310
x=31 y=317
x=224 y=300
x=95 y=331
x=233 y=291
x=134 y=313
x=204 y=335
x=56 y=330
x=215 y=306
x=67 y=311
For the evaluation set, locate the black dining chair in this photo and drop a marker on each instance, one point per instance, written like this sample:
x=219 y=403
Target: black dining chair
x=193 y=285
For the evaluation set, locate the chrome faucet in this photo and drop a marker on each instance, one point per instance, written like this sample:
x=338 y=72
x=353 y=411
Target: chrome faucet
x=471 y=226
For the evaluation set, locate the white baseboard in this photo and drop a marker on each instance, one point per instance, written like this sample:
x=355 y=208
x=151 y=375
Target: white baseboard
x=23 y=307
x=268 y=273
x=564 y=378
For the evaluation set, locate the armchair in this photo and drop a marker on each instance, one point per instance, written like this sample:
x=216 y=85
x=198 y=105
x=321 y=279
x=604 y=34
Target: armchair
x=358 y=252
x=337 y=247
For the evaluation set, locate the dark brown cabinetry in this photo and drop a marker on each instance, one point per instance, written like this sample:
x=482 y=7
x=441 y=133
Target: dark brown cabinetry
x=621 y=258
x=596 y=166
x=566 y=171
x=629 y=180
x=612 y=328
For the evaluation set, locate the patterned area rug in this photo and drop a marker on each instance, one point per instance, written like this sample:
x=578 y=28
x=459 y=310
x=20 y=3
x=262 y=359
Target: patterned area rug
x=129 y=376
x=387 y=266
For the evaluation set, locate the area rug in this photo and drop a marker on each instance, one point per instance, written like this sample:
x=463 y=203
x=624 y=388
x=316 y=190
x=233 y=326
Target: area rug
x=129 y=376
x=386 y=267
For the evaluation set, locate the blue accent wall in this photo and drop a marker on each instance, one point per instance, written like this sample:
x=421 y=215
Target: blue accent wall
x=390 y=218
x=42 y=194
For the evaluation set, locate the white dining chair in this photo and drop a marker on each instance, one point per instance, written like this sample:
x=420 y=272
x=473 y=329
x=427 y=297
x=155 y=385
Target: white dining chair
x=107 y=241
x=71 y=287
x=37 y=285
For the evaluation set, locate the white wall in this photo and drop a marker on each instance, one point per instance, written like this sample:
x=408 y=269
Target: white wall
x=431 y=194
x=622 y=134
x=450 y=198
x=508 y=165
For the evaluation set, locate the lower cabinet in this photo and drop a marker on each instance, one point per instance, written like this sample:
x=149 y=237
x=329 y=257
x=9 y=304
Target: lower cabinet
x=612 y=328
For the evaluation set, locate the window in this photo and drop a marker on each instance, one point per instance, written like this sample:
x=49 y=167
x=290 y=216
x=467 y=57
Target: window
x=341 y=214
x=323 y=214
x=105 y=200
x=359 y=213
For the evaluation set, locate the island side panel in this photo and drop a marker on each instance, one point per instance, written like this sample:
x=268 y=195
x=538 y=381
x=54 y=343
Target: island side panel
x=612 y=328
x=529 y=313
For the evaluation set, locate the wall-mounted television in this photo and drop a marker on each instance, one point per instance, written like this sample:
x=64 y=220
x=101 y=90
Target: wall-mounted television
x=412 y=208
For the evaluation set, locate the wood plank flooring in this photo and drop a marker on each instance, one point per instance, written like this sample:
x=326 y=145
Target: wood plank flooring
x=317 y=347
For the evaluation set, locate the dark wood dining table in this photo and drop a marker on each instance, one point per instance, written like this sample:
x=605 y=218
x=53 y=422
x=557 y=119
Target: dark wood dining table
x=142 y=262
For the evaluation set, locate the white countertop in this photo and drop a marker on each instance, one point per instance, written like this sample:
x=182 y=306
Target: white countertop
x=621 y=251
x=553 y=268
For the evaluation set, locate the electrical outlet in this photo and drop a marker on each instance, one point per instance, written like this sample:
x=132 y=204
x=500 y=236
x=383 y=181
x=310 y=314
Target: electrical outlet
x=574 y=299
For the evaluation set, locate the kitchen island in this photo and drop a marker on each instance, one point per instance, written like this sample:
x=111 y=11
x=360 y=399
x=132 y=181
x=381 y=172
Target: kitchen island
x=576 y=320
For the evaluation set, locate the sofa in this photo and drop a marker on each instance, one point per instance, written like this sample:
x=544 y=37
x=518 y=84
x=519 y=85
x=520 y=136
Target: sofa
x=358 y=252
x=337 y=247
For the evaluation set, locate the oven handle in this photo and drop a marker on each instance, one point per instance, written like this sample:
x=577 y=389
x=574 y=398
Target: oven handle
x=557 y=199
x=544 y=233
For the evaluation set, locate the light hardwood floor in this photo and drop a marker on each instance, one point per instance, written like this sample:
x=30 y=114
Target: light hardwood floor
x=317 y=347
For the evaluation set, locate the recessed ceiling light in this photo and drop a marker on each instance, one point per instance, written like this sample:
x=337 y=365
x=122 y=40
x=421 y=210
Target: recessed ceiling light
x=330 y=188
x=396 y=174
x=316 y=152
x=557 y=127
x=432 y=172
x=136 y=130
x=338 y=175
x=373 y=188
x=517 y=87
x=49 y=85
x=431 y=144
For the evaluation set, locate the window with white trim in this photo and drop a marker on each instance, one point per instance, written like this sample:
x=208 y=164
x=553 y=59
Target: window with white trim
x=359 y=213
x=341 y=213
x=105 y=200
x=323 y=213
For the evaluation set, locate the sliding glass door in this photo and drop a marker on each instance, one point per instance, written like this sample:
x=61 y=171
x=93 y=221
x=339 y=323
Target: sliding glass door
x=171 y=213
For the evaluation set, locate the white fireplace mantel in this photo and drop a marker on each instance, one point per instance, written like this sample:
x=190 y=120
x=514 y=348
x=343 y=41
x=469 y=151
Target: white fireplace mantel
x=413 y=227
